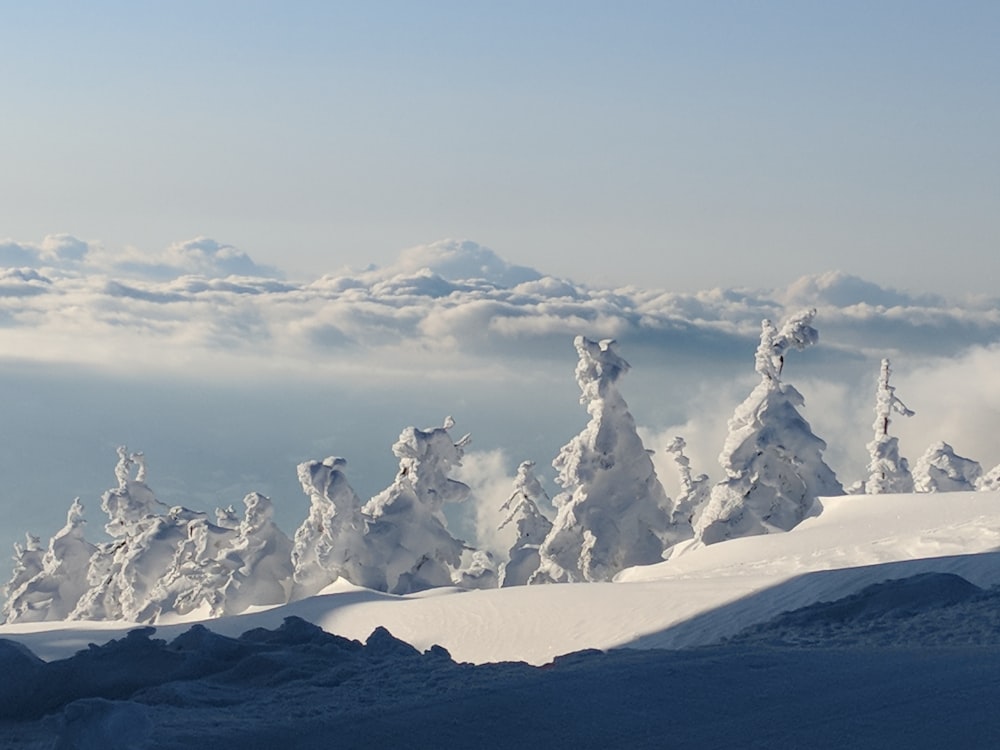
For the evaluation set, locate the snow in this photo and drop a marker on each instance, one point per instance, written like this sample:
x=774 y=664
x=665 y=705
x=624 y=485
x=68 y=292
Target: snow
x=904 y=652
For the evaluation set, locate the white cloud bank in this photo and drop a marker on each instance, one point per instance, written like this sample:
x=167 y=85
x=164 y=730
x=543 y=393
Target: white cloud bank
x=447 y=306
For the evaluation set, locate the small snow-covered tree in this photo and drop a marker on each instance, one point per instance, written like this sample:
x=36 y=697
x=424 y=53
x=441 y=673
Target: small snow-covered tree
x=330 y=543
x=259 y=560
x=477 y=570
x=57 y=585
x=941 y=470
x=531 y=524
x=407 y=532
x=773 y=462
x=888 y=472
x=27 y=565
x=990 y=481
x=695 y=491
x=613 y=512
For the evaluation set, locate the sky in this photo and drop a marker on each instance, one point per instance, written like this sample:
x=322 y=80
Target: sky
x=684 y=145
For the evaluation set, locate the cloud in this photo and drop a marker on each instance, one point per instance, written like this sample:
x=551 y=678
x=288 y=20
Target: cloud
x=460 y=260
x=201 y=256
x=838 y=289
x=203 y=300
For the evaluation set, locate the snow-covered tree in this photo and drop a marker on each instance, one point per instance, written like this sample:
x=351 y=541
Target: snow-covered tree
x=27 y=565
x=60 y=578
x=941 y=470
x=199 y=571
x=531 y=524
x=477 y=570
x=259 y=559
x=773 y=462
x=613 y=512
x=990 y=481
x=123 y=572
x=407 y=532
x=331 y=543
x=695 y=491
x=888 y=472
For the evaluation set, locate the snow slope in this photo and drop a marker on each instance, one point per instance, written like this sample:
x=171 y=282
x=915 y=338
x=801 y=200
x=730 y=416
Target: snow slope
x=300 y=689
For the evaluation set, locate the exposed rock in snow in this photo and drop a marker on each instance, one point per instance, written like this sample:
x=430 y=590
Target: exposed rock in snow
x=887 y=470
x=941 y=470
x=407 y=532
x=613 y=512
x=531 y=524
x=773 y=462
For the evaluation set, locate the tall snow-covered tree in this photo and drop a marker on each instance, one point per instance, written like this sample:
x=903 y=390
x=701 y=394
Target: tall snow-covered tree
x=695 y=490
x=773 y=462
x=940 y=469
x=531 y=524
x=407 y=531
x=60 y=578
x=330 y=543
x=613 y=512
x=888 y=472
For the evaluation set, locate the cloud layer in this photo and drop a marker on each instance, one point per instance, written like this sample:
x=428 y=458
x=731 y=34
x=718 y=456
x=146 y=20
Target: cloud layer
x=449 y=306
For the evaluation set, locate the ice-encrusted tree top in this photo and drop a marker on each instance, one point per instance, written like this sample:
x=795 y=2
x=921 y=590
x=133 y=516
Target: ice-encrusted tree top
x=887 y=470
x=613 y=512
x=797 y=332
x=773 y=462
x=132 y=500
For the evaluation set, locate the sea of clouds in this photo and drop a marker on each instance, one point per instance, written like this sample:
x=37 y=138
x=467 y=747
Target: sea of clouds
x=227 y=374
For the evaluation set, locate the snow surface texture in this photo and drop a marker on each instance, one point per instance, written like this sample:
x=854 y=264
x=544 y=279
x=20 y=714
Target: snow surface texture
x=907 y=571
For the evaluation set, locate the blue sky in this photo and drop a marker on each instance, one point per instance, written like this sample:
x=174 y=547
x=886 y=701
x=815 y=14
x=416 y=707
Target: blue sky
x=682 y=144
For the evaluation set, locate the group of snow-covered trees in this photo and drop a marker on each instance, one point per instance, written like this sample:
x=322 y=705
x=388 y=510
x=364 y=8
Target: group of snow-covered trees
x=611 y=513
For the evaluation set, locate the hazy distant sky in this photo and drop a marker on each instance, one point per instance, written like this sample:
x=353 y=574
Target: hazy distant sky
x=678 y=144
